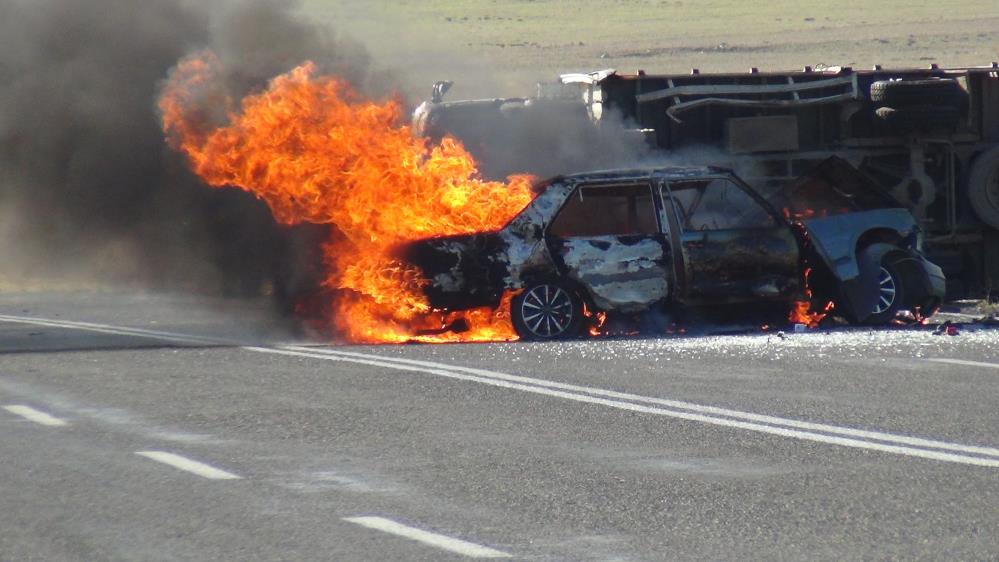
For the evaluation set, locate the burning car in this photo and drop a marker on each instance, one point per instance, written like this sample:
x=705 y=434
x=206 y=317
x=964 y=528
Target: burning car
x=627 y=241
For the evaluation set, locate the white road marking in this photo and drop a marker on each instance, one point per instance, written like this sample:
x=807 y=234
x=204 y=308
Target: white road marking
x=31 y=414
x=184 y=463
x=809 y=431
x=966 y=363
x=117 y=330
x=676 y=404
x=443 y=542
x=895 y=443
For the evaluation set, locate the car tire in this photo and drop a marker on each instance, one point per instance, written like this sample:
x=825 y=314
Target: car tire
x=909 y=93
x=891 y=293
x=548 y=310
x=983 y=187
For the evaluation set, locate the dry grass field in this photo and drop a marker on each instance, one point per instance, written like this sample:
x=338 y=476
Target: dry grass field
x=500 y=48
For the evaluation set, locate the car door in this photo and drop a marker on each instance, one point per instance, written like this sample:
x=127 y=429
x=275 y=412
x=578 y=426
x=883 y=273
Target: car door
x=607 y=238
x=732 y=247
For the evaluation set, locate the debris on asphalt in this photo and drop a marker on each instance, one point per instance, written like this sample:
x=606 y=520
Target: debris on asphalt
x=947 y=328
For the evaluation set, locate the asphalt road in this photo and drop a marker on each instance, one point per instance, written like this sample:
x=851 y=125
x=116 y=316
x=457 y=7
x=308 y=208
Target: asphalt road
x=169 y=428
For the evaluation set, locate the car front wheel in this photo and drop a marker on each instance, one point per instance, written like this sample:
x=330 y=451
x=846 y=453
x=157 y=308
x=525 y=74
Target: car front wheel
x=547 y=311
x=890 y=291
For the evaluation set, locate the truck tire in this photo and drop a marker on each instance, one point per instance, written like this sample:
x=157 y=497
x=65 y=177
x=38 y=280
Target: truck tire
x=908 y=93
x=925 y=118
x=983 y=187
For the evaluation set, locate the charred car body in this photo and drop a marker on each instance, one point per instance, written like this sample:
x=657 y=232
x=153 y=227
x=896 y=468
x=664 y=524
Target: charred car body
x=633 y=240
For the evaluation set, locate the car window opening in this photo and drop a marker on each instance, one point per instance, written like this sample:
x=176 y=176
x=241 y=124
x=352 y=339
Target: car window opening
x=717 y=204
x=607 y=211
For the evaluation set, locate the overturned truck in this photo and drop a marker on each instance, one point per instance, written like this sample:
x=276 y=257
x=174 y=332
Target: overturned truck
x=930 y=137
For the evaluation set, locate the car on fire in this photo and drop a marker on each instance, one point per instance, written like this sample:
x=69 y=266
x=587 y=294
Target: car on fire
x=630 y=241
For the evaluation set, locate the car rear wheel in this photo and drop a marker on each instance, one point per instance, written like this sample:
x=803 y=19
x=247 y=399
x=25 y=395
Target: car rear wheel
x=547 y=311
x=891 y=293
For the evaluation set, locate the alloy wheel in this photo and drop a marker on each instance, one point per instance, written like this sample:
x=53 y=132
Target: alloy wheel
x=547 y=310
x=886 y=291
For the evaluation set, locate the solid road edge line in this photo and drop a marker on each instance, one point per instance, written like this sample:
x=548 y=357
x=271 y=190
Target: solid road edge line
x=684 y=415
x=678 y=405
x=964 y=362
x=905 y=445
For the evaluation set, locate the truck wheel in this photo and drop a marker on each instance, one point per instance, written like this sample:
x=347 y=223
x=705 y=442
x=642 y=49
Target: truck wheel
x=920 y=118
x=908 y=93
x=547 y=311
x=983 y=187
x=891 y=293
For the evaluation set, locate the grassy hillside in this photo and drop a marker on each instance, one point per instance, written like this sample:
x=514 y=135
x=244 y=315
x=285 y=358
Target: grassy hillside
x=511 y=44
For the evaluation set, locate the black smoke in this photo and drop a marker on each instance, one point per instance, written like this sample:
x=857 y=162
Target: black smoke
x=87 y=184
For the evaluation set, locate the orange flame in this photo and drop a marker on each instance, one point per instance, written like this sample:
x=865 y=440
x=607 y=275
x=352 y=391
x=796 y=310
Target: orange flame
x=596 y=320
x=801 y=311
x=315 y=151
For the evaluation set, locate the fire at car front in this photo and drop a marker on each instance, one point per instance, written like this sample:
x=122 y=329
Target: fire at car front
x=474 y=270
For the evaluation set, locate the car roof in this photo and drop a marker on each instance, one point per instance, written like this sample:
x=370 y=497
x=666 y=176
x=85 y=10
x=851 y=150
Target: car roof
x=668 y=172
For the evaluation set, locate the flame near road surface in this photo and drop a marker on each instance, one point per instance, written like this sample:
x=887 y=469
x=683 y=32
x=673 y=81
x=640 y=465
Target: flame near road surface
x=315 y=151
x=801 y=310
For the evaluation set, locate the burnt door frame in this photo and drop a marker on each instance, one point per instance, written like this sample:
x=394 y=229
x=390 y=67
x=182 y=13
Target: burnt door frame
x=688 y=278
x=556 y=244
x=669 y=225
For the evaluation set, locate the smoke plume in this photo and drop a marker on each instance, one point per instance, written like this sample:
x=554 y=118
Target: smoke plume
x=89 y=188
x=87 y=184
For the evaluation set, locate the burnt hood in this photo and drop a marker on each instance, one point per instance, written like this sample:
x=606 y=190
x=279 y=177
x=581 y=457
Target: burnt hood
x=463 y=271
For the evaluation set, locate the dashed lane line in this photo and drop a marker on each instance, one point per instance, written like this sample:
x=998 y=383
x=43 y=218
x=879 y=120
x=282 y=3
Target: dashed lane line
x=442 y=542
x=37 y=416
x=188 y=465
x=809 y=431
